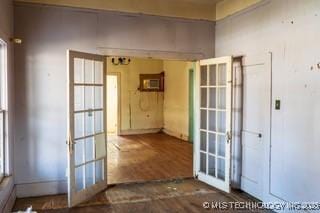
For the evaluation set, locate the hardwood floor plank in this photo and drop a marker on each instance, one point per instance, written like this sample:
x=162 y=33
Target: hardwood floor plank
x=145 y=157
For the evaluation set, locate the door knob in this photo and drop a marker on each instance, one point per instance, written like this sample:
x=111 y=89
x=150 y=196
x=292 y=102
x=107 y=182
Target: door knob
x=229 y=137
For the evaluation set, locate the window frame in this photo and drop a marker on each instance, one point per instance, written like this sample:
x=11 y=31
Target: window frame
x=3 y=106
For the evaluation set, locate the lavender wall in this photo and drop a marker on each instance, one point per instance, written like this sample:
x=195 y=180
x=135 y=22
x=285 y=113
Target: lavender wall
x=290 y=30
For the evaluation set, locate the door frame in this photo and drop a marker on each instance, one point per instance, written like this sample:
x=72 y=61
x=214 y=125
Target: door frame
x=118 y=74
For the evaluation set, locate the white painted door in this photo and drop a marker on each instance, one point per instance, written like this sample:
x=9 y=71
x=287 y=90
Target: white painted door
x=87 y=170
x=214 y=122
x=256 y=122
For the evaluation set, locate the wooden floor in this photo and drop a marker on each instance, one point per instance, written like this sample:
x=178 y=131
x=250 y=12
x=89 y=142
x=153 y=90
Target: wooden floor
x=139 y=158
x=187 y=195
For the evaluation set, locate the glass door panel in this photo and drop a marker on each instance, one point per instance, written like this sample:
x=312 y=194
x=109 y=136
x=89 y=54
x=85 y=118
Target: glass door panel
x=87 y=171
x=215 y=121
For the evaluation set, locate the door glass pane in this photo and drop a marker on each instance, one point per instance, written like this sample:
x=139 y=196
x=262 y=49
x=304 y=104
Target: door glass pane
x=203 y=162
x=98 y=98
x=89 y=174
x=89 y=123
x=2 y=144
x=98 y=72
x=78 y=125
x=203 y=98
x=79 y=152
x=100 y=146
x=88 y=91
x=89 y=142
x=78 y=70
x=203 y=119
x=98 y=121
x=212 y=143
x=212 y=75
x=222 y=73
x=222 y=122
x=212 y=98
x=99 y=170
x=79 y=178
x=212 y=120
x=222 y=145
x=212 y=166
x=203 y=75
x=88 y=71
x=222 y=98
x=203 y=141
x=78 y=98
x=221 y=168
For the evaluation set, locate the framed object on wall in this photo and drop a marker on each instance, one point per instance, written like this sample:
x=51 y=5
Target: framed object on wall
x=152 y=82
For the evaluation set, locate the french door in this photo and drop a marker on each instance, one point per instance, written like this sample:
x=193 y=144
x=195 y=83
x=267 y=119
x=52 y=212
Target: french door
x=214 y=122
x=87 y=162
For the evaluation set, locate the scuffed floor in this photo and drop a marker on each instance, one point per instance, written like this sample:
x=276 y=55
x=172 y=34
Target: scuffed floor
x=145 y=157
x=184 y=195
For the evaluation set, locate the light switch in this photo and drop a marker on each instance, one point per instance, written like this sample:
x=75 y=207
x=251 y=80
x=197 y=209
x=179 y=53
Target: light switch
x=277 y=105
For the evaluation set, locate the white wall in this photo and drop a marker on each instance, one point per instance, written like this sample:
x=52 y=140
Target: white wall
x=6 y=32
x=176 y=98
x=41 y=78
x=290 y=30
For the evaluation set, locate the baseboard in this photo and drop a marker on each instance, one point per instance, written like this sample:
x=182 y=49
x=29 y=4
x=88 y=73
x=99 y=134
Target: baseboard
x=7 y=194
x=176 y=134
x=41 y=188
x=139 y=131
x=11 y=200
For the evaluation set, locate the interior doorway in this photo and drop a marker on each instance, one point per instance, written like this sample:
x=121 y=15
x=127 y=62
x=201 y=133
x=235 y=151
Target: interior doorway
x=154 y=130
x=113 y=105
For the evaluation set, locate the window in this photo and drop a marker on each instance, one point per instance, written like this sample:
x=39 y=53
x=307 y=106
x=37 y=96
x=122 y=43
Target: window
x=3 y=105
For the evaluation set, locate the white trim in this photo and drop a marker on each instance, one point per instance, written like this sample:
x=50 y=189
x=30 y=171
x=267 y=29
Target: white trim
x=41 y=188
x=4 y=105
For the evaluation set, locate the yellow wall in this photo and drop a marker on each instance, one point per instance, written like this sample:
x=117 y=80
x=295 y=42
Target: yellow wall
x=176 y=98
x=172 y=8
x=152 y=111
x=228 y=7
x=146 y=107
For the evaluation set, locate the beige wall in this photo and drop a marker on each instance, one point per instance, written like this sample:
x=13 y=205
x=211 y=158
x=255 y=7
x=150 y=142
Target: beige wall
x=192 y=9
x=228 y=7
x=144 y=110
x=172 y=8
x=176 y=98
x=152 y=111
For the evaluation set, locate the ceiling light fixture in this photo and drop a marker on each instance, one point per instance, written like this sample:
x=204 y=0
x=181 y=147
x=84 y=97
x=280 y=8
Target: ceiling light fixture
x=120 y=61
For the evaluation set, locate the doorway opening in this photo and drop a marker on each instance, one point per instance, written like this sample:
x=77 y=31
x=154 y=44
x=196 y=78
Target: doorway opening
x=113 y=103
x=155 y=119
